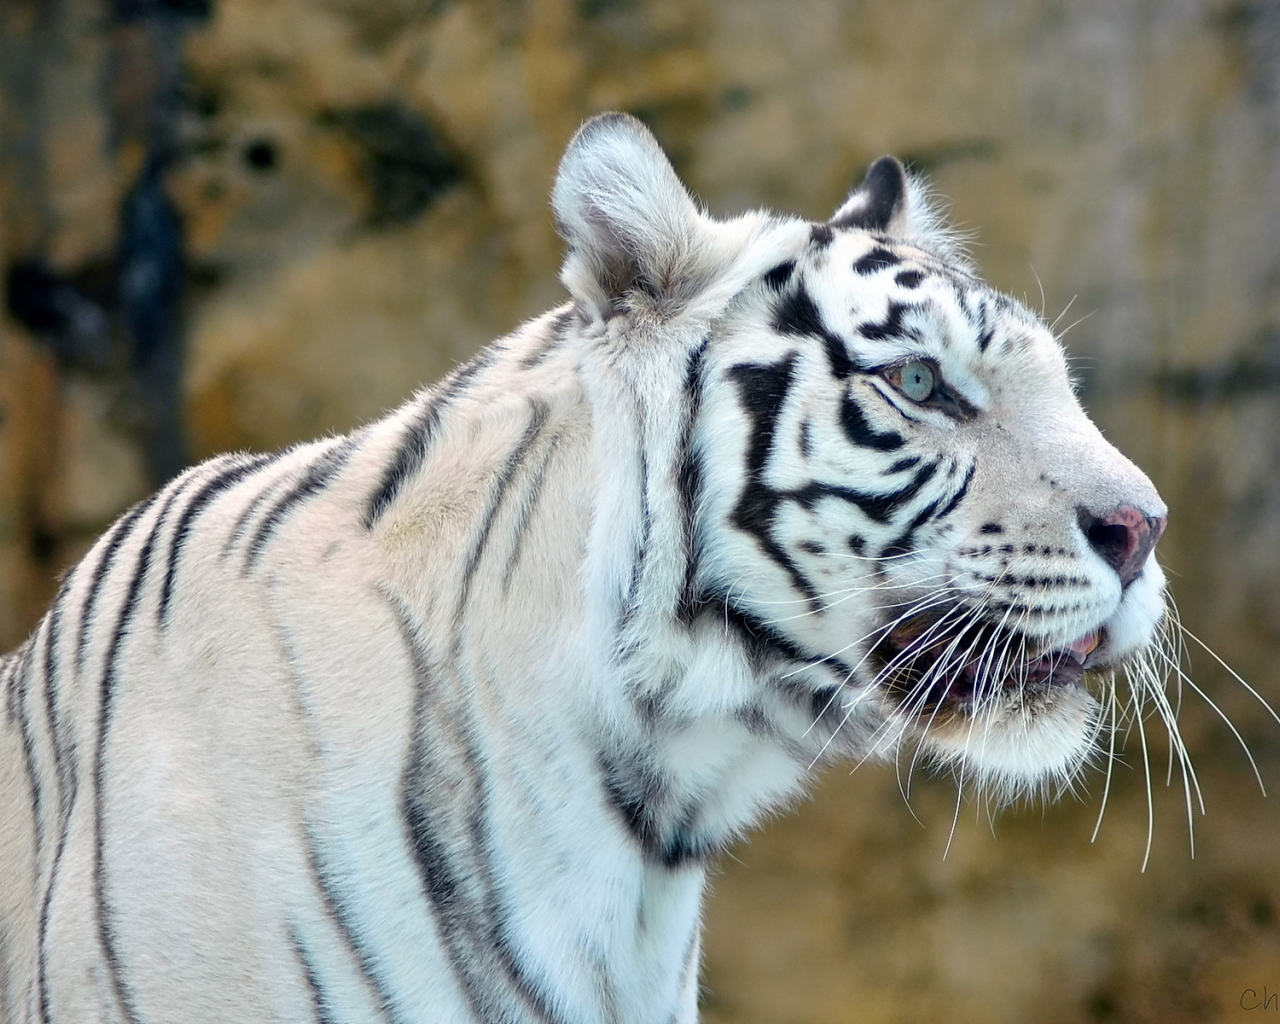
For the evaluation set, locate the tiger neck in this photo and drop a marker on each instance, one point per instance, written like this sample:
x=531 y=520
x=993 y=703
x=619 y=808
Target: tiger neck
x=573 y=674
x=701 y=734
x=578 y=636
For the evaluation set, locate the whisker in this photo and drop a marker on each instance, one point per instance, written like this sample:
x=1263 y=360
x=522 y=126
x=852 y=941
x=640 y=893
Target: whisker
x=1227 y=721
x=1234 y=674
x=933 y=601
x=849 y=593
x=1111 y=754
x=1058 y=319
x=959 y=794
x=885 y=586
x=1146 y=764
x=1150 y=682
x=940 y=668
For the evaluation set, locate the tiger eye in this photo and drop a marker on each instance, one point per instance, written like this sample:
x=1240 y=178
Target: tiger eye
x=916 y=380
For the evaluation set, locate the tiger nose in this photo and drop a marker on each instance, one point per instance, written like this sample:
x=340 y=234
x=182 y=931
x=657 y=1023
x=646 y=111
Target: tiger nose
x=1123 y=537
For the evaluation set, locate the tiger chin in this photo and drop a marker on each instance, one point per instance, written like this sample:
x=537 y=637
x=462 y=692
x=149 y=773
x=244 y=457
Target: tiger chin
x=444 y=720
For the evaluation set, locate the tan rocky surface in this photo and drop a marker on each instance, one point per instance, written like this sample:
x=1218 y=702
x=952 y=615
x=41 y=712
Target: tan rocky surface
x=362 y=189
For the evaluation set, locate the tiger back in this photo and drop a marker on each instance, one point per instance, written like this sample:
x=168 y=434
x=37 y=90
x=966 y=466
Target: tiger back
x=445 y=719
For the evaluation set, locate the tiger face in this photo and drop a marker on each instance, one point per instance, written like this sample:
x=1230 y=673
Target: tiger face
x=944 y=520
x=899 y=497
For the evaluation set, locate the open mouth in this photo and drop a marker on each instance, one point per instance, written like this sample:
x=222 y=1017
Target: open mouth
x=929 y=667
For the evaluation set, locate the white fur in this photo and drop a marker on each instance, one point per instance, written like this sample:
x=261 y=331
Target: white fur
x=464 y=751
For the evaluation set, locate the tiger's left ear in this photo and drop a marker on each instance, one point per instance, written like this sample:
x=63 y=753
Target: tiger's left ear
x=633 y=230
x=881 y=203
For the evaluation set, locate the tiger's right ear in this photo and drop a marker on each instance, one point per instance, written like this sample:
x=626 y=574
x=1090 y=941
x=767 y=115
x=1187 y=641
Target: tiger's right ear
x=630 y=223
x=881 y=203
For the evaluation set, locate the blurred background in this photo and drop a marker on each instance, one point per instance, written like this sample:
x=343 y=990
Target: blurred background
x=239 y=223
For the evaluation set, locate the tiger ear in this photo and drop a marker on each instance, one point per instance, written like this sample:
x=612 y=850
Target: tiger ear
x=881 y=203
x=899 y=205
x=630 y=223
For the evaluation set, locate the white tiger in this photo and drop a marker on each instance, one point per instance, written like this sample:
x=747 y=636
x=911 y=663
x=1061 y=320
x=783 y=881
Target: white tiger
x=443 y=720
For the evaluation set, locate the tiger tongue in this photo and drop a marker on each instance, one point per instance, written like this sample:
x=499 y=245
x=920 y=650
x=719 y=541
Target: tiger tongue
x=1082 y=647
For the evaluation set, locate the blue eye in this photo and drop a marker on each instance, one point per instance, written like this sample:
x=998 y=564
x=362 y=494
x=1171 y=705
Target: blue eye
x=916 y=380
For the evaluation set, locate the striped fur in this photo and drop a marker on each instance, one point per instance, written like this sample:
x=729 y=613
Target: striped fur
x=443 y=720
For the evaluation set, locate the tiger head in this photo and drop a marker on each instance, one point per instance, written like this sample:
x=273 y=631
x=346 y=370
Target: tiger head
x=896 y=495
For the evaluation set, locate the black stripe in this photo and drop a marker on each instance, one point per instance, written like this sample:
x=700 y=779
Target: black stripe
x=106 y=931
x=891 y=326
x=904 y=543
x=267 y=490
x=797 y=315
x=876 y=260
x=320 y=1004
x=199 y=501
x=332 y=904
x=764 y=643
x=468 y=909
x=959 y=495
x=641 y=797
x=443 y=889
x=689 y=479
x=63 y=746
x=534 y=998
x=528 y=504
x=636 y=798
x=105 y=710
x=820 y=236
x=9 y=670
x=42 y=933
x=63 y=752
x=909 y=278
x=18 y=676
x=137 y=581
x=119 y=533
x=420 y=434
x=878 y=507
x=334 y=911
x=604 y=975
x=987 y=330
x=860 y=431
x=780 y=275
x=537 y=420
x=763 y=390
x=318 y=476
x=631 y=601
x=902 y=464
x=556 y=334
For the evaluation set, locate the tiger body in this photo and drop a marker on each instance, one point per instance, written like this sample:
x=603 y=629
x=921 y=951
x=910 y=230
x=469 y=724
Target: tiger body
x=443 y=720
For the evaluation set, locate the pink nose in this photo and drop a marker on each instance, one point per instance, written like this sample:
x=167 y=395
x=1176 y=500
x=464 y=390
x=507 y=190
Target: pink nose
x=1123 y=537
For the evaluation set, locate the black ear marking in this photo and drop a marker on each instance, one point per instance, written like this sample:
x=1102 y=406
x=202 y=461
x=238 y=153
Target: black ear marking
x=880 y=198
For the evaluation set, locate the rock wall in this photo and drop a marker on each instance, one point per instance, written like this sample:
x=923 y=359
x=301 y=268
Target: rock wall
x=354 y=197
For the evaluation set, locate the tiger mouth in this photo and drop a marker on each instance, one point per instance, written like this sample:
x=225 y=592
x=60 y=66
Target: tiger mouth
x=928 y=668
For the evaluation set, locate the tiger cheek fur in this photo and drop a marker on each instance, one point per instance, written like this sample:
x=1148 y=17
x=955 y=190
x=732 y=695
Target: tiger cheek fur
x=444 y=720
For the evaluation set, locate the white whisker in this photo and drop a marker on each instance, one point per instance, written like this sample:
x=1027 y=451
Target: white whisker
x=1146 y=764
x=1234 y=674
